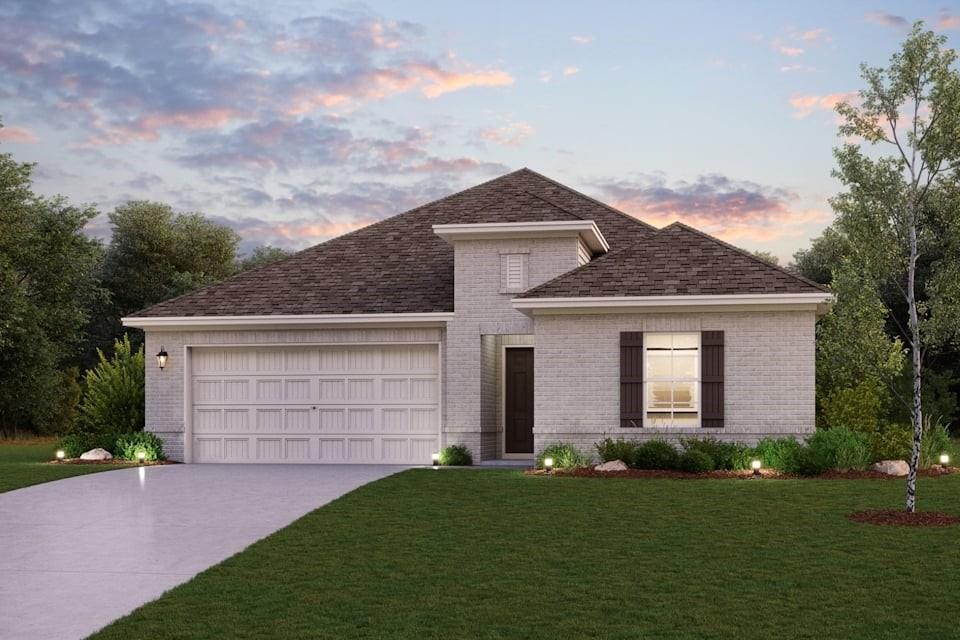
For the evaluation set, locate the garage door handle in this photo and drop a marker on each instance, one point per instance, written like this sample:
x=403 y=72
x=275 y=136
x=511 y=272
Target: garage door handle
x=314 y=408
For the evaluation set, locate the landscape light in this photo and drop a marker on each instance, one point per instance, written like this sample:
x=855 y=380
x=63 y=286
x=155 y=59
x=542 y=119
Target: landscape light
x=755 y=465
x=944 y=459
x=61 y=454
x=141 y=455
x=548 y=464
x=162 y=358
x=435 y=458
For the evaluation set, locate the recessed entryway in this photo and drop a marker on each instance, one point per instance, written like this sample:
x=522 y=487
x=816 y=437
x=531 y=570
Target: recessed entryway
x=518 y=401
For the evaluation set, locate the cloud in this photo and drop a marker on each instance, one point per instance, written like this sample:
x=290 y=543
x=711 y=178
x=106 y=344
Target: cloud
x=796 y=68
x=571 y=70
x=789 y=51
x=17 y=134
x=947 y=21
x=511 y=135
x=731 y=209
x=439 y=81
x=546 y=77
x=582 y=39
x=804 y=105
x=886 y=19
x=813 y=35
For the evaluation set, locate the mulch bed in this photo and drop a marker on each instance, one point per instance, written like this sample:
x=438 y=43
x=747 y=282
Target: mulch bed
x=114 y=461
x=766 y=474
x=900 y=518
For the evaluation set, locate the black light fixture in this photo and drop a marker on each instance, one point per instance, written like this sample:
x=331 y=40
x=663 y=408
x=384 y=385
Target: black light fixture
x=162 y=358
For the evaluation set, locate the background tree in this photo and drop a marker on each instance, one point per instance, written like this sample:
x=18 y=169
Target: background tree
x=262 y=256
x=766 y=256
x=894 y=204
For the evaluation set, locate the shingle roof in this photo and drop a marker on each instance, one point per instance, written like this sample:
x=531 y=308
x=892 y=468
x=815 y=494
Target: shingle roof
x=677 y=260
x=397 y=265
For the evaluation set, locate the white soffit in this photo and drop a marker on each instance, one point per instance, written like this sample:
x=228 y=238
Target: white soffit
x=184 y=323
x=733 y=302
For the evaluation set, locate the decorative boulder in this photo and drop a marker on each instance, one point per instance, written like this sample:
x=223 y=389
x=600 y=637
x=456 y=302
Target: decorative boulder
x=892 y=467
x=613 y=465
x=96 y=454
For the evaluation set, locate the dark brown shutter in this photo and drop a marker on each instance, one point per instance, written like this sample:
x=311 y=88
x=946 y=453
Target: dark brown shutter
x=711 y=379
x=631 y=379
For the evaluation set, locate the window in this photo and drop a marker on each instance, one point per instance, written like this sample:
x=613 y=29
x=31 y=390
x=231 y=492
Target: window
x=513 y=272
x=672 y=379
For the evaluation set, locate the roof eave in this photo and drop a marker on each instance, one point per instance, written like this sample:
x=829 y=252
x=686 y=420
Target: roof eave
x=816 y=301
x=213 y=323
x=587 y=230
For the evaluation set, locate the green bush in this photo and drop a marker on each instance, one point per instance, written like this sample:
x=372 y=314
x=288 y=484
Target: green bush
x=892 y=442
x=128 y=444
x=777 y=453
x=73 y=444
x=858 y=409
x=656 y=454
x=456 y=455
x=113 y=399
x=696 y=461
x=936 y=440
x=565 y=456
x=838 y=449
x=725 y=455
x=619 y=449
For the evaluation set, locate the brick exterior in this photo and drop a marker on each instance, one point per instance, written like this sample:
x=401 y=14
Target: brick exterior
x=768 y=377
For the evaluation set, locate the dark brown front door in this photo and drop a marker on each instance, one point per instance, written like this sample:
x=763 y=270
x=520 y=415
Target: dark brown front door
x=518 y=403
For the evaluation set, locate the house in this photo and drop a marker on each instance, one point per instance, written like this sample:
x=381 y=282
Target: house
x=505 y=317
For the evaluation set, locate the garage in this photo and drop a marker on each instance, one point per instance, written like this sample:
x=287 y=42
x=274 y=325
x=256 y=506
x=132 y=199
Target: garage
x=315 y=404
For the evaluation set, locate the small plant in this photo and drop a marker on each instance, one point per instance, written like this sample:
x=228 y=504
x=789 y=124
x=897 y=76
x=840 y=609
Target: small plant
x=892 y=442
x=456 y=455
x=837 y=449
x=565 y=456
x=936 y=440
x=777 y=453
x=619 y=449
x=696 y=461
x=76 y=443
x=128 y=445
x=728 y=456
x=656 y=454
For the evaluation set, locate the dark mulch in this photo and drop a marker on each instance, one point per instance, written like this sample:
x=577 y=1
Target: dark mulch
x=113 y=461
x=900 y=518
x=768 y=474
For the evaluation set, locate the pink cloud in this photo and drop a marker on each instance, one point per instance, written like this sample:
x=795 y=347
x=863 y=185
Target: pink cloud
x=571 y=70
x=790 y=51
x=947 y=21
x=510 y=135
x=149 y=126
x=813 y=35
x=440 y=82
x=17 y=134
x=804 y=105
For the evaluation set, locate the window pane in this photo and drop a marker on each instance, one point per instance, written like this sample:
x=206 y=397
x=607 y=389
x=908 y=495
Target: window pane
x=684 y=366
x=660 y=395
x=658 y=340
x=658 y=365
x=686 y=341
x=684 y=395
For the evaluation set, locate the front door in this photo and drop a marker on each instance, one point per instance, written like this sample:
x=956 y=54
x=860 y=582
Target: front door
x=518 y=401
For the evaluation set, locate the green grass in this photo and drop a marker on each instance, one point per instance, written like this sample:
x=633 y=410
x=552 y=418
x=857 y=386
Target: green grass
x=496 y=554
x=23 y=463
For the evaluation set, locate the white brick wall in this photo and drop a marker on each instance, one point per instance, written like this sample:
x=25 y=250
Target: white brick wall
x=768 y=374
x=165 y=389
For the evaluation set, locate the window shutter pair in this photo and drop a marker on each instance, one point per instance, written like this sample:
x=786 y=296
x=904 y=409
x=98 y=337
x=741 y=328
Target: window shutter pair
x=631 y=379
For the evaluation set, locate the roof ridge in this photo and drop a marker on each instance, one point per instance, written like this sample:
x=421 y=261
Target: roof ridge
x=591 y=199
x=743 y=252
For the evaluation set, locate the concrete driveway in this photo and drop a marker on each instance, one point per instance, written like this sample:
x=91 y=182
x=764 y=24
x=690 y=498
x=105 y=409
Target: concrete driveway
x=78 y=553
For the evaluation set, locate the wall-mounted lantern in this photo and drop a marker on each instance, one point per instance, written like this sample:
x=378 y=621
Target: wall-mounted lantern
x=162 y=358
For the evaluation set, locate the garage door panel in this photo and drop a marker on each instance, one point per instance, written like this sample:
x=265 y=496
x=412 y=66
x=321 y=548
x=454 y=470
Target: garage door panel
x=347 y=404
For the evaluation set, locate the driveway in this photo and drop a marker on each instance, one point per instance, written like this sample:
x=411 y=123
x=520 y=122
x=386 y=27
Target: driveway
x=78 y=553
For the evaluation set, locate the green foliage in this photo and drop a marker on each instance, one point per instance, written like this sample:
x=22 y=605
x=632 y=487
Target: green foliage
x=860 y=408
x=777 y=453
x=826 y=252
x=892 y=441
x=128 y=445
x=656 y=454
x=619 y=449
x=696 y=461
x=565 y=456
x=456 y=455
x=767 y=257
x=262 y=256
x=838 y=449
x=77 y=442
x=113 y=400
x=936 y=440
x=725 y=455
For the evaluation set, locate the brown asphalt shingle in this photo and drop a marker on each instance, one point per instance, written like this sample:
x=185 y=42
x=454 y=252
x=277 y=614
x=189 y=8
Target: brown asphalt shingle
x=676 y=261
x=397 y=265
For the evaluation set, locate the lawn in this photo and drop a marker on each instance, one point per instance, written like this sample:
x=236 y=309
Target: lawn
x=23 y=463
x=496 y=554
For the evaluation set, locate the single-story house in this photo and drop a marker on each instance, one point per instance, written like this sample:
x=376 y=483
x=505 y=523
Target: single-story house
x=505 y=317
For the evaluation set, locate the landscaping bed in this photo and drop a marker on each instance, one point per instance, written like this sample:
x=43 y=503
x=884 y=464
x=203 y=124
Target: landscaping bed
x=901 y=518
x=113 y=461
x=851 y=474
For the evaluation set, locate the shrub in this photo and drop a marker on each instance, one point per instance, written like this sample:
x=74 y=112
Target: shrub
x=128 y=444
x=656 y=454
x=725 y=455
x=565 y=456
x=456 y=455
x=73 y=444
x=838 y=449
x=113 y=399
x=778 y=453
x=619 y=449
x=696 y=461
x=892 y=442
x=936 y=440
x=858 y=408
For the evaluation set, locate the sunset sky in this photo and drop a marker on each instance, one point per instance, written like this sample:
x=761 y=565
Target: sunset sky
x=297 y=121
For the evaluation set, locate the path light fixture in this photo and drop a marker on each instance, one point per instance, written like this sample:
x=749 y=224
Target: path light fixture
x=435 y=459
x=162 y=358
x=944 y=459
x=141 y=456
x=755 y=465
x=61 y=454
x=548 y=464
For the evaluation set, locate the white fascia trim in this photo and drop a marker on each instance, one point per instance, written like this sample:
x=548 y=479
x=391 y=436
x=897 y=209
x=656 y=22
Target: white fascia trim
x=181 y=323
x=571 y=305
x=586 y=229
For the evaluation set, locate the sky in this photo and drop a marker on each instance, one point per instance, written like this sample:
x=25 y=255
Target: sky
x=297 y=121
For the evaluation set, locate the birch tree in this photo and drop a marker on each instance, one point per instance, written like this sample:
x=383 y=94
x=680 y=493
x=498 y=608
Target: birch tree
x=899 y=166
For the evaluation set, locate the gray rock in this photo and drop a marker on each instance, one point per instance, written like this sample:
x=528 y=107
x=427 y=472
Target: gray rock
x=96 y=454
x=892 y=467
x=613 y=465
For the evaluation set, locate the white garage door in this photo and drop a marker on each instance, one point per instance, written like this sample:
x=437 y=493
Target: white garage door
x=349 y=404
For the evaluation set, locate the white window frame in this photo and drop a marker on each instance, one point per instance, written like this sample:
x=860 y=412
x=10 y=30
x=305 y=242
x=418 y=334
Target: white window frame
x=647 y=410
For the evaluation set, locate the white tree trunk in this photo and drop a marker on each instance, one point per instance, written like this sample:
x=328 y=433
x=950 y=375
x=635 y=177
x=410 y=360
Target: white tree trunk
x=916 y=353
